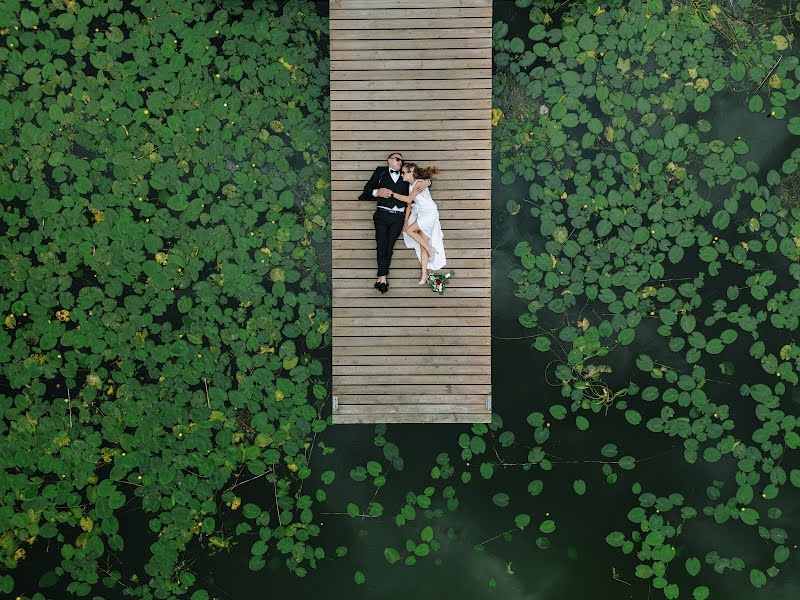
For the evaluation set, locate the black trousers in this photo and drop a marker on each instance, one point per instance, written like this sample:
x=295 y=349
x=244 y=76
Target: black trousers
x=388 y=226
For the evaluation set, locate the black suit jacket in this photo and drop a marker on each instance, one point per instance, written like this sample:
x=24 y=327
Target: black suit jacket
x=381 y=178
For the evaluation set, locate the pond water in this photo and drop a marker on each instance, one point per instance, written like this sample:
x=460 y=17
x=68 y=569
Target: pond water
x=579 y=563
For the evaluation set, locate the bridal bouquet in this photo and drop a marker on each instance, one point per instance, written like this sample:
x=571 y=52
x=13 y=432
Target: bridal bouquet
x=437 y=281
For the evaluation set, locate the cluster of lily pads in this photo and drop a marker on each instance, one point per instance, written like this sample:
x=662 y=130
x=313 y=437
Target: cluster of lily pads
x=655 y=241
x=164 y=190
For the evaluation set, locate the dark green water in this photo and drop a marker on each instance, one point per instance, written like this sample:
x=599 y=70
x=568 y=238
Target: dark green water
x=579 y=563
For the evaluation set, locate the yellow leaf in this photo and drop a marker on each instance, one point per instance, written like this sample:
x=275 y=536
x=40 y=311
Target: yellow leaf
x=292 y=467
x=775 y=81
x=781 y=43
x=276 y=126
x=600 y=10
x=547 y=19
x=217 y=415
x=19 y=554
x=10 y=321
x=279 y=395
x=786 y=352
x=701 y=84
x=86 y=523
x=553 y=258
x=693 y=72
x=62 y=315
x=583 y=324
x=623 y=65
x=497 y=114
x=98 y=215
x=609 y=134
x=162 y=258
x=235 y=503
x=267 y=251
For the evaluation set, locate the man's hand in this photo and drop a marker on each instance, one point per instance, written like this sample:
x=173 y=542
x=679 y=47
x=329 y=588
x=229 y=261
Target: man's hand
x=419 y=186
x=385 y=193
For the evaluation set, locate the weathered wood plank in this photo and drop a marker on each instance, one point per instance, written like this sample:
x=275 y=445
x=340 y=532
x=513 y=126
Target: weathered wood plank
x=467 y=112
x=340 y=214
x=384 y=341
x=408 y=76
x=430 y=12
x=443 y=190
x=427 y=84
x=359 y=259
x=349 y=174
x=362 y=241
x=441 y=333
x=446 y=353
x=409 y=126
x=452 y=234
x=448 y=224
x=433 y=27
x=410 y=4
x=413 y=399
x=417 y=44
x=425 y=357
x=385 y=303
x=415 y=319
x=410 y=409
x=443 y=388
x=411 y=95
x=370 y=419
x=392 y=54
x=419 y=153
x=391 y=136
x=419 y=65
x=429 y=368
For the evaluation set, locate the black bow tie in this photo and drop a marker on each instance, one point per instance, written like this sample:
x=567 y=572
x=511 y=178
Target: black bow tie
x=392 y=171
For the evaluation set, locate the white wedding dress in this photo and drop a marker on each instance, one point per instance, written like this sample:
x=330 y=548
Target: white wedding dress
x=425 y=212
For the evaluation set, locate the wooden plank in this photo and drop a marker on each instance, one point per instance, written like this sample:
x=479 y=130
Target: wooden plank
x=361 y=241
x=410 y=4
x=423 y=358
x=409 y=126
x=413 y=409
x=466 y=418
x=363 y=258
x=416 y=64
x=385 y=303
x=415 y=319
x=430 y=12
x=344 y=214
x=444 y=190
x=419 y=153
x=478 y=238
x=421 y=45
x=410 y=376
x=442 y=388
x=448 y=224
x=427 y=83
x=441 y=332
x=410 y=77
x=414 y=399
x=410 y=95
x=425 y=111
x=424 y=53
x=366 y=208
x=432 y=27
x=411 y=293
x=408 y=148
x=410 y=340
x=390 y=137
x=446 y=353
x=429 y=368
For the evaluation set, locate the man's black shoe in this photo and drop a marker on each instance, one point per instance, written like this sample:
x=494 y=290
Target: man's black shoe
x=384 y=288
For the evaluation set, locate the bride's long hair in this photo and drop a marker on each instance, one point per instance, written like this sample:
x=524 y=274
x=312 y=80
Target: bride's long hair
x=420 y=172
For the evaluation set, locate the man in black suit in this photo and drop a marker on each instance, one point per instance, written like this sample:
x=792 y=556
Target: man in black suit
x=389 y=213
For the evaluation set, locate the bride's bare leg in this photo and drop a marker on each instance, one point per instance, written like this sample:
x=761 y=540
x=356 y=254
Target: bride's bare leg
x=423 y=261
x=423 y=241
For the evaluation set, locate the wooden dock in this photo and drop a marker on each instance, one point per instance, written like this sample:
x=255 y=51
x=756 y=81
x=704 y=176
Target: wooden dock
x=413 y=77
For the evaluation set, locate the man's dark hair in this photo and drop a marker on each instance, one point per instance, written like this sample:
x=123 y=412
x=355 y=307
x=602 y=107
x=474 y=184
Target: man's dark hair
x=398 y=154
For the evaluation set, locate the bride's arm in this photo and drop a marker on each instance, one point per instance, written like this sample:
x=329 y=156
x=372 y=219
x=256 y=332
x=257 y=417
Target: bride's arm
x=419 y=186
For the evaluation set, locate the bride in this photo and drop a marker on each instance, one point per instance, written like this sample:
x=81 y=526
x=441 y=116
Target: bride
x=421 y=229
